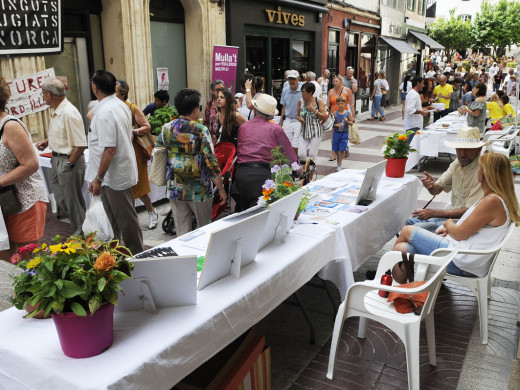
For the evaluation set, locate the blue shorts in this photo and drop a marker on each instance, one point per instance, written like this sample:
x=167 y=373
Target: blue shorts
x=424 y=242
x=403 y=95
x=339 y=141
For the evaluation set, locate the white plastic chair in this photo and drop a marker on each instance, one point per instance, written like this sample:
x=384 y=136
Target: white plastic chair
x=363 y=300
x=481 y=287
x=502 y=140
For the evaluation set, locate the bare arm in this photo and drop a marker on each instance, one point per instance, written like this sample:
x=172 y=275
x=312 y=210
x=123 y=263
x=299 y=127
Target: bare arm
x=18 y=141
x=239 y=119
x=282 y=114
x=144 y=125
x=488 y=212
x=106 y=159
x=350 y=97
x=76 y=154
x=298 y=111
x=249 y=94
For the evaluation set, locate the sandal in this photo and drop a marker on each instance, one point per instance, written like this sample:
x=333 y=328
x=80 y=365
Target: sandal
x=382 y=118
x=371 y=119
x=332 y=159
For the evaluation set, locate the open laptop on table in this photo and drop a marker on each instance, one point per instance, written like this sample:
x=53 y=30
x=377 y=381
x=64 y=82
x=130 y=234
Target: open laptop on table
x=368 y=190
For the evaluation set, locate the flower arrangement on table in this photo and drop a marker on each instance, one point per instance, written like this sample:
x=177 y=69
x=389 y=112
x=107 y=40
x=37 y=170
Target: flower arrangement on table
x=77 y=276
x=160 y=117
x=282 y=181
x=397 y=146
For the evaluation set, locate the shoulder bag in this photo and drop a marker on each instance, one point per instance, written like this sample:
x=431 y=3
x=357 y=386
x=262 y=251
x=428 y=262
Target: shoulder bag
x=8 y=196
x=158 y=171
x=145 y=142
x=328 y=123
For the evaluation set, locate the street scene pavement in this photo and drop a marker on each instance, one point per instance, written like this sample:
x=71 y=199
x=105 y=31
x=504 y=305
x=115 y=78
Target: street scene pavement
x=377 y=362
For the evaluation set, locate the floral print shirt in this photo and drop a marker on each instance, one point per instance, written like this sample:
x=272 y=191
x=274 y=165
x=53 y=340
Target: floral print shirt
x=192 y=163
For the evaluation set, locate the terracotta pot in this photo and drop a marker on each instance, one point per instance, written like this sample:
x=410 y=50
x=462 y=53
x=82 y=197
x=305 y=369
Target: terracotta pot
x=297 y=215
x=83 y=337
x=395 y=167
x=39 y=315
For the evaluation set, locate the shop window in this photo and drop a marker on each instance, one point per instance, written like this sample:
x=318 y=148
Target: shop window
x=422 y=7
x=391 y=3
x=301 y=55
x=366 y=60
x=333 y=51
x=411 y=5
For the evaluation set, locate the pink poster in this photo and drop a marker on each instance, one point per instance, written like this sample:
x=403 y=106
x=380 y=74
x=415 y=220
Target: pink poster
x=225 y=61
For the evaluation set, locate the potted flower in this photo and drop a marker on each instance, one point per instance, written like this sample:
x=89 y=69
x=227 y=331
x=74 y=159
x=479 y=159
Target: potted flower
x=395 y=150
x=282 y=181
x=77 y=283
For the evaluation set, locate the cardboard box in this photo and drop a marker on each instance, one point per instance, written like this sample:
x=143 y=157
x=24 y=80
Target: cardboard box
x=245 y=364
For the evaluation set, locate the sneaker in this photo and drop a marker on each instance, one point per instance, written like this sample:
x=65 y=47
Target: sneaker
x=338 y=168
x=153 y=218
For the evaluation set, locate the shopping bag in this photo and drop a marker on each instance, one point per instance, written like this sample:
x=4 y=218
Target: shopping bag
x=4 y=237
x=96 y=220
x=354 y=136
x=158 y=171
x=329 y=122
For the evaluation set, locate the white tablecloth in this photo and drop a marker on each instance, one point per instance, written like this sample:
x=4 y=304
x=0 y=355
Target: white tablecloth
x=157 y=351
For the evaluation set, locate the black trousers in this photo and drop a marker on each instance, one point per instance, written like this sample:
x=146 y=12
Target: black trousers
x=439 y=115
x=248 y=186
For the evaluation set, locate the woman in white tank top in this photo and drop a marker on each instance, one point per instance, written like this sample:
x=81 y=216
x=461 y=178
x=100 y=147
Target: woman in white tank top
x=482 y=226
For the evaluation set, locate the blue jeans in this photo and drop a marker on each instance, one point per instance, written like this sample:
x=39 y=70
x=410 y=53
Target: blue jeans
x=376 y=105
x=430 y=224
x=423 y=242
x=454 y=270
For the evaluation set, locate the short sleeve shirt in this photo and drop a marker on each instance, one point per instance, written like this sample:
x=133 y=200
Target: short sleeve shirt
x=290 y=101
x=446 y=90
x=463 y=184
x=111 y=126
x=66 y=129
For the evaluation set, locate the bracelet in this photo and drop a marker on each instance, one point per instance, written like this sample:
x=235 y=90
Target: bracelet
x=248 y=90
x=100 y=179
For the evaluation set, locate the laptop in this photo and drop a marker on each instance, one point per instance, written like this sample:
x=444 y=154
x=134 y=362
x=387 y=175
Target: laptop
x=367 y=192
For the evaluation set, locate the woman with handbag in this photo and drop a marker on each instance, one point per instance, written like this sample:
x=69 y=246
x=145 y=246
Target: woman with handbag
x=22 y=192
x=143 y=144
x=334 y=93
x=311 y=112
x=482 y=226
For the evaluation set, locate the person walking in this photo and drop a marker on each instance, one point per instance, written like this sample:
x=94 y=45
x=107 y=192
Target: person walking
x=377 y=95
x=342 y=120
x=324 y=84
x=140 y=126
x=192 y=167
x=404 y=88
x=310 y=113
x=112 y=168
x=67 y=141
x=289 y=101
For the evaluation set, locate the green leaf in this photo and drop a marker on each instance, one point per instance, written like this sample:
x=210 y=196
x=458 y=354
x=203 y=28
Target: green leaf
x=94 y=303
x=59 y=283
x=78 y=309
x=51 y=291
x=70 y=289
x=101 y=284
x=49 y=265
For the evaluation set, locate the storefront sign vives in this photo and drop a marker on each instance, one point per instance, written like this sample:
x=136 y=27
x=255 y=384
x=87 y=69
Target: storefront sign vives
x=277 y=16
x=392 y=28
x=30 y=27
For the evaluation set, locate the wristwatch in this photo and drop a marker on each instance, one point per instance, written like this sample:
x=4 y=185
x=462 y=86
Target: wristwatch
x=70 y=165
x=101 y=180
x=248 y=90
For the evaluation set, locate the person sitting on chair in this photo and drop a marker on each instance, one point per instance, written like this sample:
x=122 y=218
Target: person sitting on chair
x=460 y=178
x=482 y=226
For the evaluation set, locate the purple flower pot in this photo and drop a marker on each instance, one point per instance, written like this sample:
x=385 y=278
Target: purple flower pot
x=83 y=337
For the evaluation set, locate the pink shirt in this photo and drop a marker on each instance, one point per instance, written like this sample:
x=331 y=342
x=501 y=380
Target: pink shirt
x=257 y=137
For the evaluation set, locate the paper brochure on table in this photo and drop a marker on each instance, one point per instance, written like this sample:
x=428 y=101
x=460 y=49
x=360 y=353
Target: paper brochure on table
x=310 y=230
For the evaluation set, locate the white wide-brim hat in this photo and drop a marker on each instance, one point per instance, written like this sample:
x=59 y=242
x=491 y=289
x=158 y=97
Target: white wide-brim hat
x=467 y=138
x=266 y=104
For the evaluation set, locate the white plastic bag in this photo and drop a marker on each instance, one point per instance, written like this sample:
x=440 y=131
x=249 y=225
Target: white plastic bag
x=96 y=220
x=4 y=237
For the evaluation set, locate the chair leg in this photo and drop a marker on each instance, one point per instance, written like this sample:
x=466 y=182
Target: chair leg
x=329 y=293
x=336 y=336
x=482 y=294
x=312 y=337
x=430 y=336
x=411 y=345
x=362 y=329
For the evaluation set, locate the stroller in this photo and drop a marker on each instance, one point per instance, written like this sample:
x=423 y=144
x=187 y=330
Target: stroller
x=226 y=156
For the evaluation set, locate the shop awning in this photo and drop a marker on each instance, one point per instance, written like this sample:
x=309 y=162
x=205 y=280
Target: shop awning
x=305 y=5
x=427 y=40
x=400 y=46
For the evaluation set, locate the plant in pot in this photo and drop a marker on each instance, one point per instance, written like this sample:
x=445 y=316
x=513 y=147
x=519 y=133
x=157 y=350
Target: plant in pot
x=283 y=181
x=396 y=149
x=77 y=283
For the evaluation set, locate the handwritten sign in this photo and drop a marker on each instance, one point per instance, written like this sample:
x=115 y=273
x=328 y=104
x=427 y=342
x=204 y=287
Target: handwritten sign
x=26 y=93
x=30 y=27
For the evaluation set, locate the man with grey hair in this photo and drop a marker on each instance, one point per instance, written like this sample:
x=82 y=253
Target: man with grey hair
x=311 y=78
x=349 y=81
x=67 y=141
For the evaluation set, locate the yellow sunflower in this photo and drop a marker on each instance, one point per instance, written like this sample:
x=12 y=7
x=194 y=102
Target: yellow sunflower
x=42 y=248
x=34 y=262
x=68 y=247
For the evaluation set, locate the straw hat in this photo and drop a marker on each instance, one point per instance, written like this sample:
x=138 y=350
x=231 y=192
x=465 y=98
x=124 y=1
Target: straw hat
x=266 y=104
x=468 y=138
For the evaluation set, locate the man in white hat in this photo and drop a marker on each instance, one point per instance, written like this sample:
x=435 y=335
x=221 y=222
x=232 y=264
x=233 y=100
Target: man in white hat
x=289 y=102
x=460 y=178
x=256 y=138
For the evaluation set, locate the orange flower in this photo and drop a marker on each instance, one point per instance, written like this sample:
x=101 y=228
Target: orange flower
x=402 y=137
x=105 y=262
x=287 y=184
